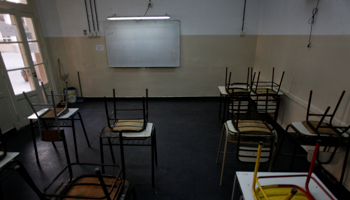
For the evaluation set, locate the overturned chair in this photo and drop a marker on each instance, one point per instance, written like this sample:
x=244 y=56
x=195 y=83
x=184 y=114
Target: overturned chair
x=80 y=183
x=57 y=117
x=129 y=127
x=283 y=187
x=319 y=127
x=246 y=133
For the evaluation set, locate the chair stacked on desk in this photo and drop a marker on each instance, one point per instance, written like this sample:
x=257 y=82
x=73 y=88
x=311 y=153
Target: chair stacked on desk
x=229 y=87
x=267 y=89
x=54 y=115
x=319 y=127
x=259 y=90
x=245 y=131
x=80 y=183
x=128 y=127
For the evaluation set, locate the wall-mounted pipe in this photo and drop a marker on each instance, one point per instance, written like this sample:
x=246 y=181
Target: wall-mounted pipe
x=92 y=16
x=245 y=3
x=87 y=16
x=98 y=28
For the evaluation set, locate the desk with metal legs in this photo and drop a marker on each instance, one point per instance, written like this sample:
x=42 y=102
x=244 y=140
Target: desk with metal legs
x=3 y=163
x=66 y=120
x=244 y=180
x=9 y=157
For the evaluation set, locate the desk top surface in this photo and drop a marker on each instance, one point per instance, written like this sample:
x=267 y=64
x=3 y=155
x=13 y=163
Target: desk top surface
x=245 y=180
x=9 y=156
x=71 y=111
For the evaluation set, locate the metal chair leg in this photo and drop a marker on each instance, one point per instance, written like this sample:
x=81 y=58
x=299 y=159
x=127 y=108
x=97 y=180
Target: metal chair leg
x=223 y=162
x=34 y=142
x=222 y=134
x=122 y=154
x=111 y=149
x=280 y=146
x=152 y=152
x=82 y=124
x=220 y=105
x=224 y=111
x=75 y=141
x=154 y=142
x=102 y=155
x=345 y=162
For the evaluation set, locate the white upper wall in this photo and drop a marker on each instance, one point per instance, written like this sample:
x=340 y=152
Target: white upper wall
x=67 y=18
x=286 y=17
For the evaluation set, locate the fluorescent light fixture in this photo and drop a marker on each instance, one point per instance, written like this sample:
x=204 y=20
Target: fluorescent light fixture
x=138 y=17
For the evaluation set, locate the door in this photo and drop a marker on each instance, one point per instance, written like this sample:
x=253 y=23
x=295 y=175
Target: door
x=8 y=119
x=21 y=61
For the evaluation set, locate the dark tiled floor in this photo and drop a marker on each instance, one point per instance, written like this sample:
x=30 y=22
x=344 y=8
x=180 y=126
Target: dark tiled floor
x=188 y=133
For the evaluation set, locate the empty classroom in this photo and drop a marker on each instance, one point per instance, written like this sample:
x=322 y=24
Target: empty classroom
x=151 y=99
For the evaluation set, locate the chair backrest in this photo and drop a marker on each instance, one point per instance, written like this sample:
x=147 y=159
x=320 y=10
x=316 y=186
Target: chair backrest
x=267 y=104
x=239 y=103
x=3 y=151
x=250 y=133
x=119 y=114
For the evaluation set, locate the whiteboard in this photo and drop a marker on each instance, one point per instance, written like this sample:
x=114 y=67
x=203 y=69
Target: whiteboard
x=148 y=43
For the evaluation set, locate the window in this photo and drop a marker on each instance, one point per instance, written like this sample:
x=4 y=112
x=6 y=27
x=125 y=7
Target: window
x=15 y=57
x=16 y=1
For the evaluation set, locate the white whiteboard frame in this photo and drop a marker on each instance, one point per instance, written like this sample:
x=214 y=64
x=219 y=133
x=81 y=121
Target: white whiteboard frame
x=143 y=43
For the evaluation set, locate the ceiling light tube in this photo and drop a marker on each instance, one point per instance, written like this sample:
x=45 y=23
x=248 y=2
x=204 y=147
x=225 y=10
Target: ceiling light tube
x=138 y=17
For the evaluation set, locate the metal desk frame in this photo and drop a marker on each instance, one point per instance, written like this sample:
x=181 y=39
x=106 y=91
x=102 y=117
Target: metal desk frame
x=244 y=180
x=70 y=117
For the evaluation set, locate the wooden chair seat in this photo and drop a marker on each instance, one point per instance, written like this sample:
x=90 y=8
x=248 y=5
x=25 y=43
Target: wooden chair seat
x=322 y=130
x=90 y=187
x=50 y=114
x=238 y=91
x=299 y=128
x=279 y=193
x=250 y=126
x=264 y=91
x=127 y=125
x=146 y=133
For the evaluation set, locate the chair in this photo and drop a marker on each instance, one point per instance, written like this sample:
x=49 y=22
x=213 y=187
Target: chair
x=50 y=117
x=319 y=127
x=270 y=89
x=273 y=87
x=3 y=151
x=80 y=182
x=235 y=90
x=227 y=88
x=266 y=104
x=285 y=190
x=128 y=127
x=237 y=85
x=246 y=133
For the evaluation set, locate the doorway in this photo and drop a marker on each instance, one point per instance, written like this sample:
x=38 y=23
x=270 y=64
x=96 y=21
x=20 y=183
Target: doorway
x=22 y=64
